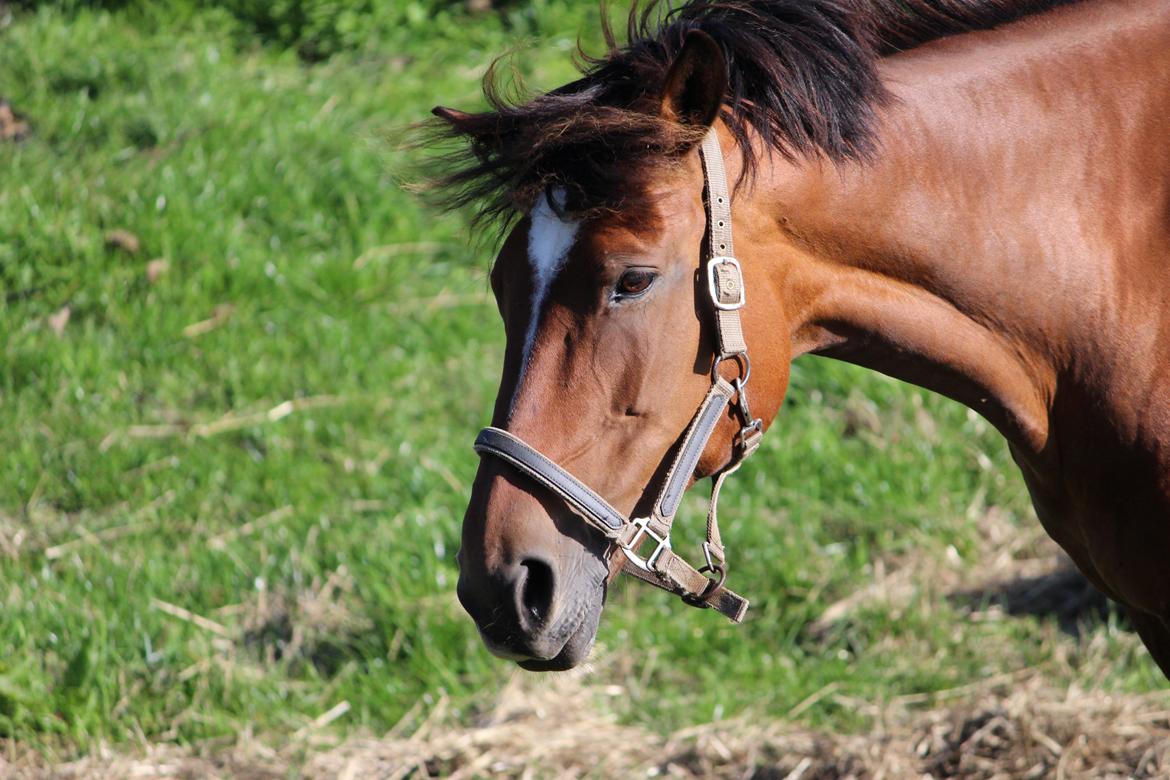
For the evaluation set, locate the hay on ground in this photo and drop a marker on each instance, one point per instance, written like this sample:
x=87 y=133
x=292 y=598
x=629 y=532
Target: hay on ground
x=556 y=727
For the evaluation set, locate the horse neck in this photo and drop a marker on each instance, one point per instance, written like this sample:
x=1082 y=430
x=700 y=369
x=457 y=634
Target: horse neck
x=980 y=255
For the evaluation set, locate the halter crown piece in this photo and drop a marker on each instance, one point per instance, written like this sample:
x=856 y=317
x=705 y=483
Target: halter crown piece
x=662 y=567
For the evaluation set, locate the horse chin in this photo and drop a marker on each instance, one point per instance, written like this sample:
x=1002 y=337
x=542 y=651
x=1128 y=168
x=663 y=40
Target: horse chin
x=576 y=648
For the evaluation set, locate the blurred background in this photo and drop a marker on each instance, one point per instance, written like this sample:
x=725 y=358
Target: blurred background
x=241 y=369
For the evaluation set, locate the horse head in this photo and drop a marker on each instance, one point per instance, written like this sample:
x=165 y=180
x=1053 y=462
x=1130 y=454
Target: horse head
x=611 y=345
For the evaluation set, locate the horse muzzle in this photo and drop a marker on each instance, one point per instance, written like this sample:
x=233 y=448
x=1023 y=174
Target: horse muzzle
x=537 y=612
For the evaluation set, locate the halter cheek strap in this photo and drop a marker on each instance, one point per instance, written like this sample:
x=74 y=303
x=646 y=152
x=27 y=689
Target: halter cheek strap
x=701 y=587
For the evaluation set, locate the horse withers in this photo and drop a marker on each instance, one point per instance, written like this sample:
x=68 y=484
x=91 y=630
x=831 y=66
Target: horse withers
x=970 y=195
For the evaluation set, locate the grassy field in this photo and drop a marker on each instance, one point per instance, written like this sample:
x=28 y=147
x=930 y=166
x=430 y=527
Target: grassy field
x=241 y=371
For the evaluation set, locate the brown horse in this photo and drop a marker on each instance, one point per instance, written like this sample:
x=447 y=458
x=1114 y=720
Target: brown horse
x=969 y=195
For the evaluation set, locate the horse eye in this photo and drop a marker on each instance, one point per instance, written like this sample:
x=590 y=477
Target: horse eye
x=634 y=282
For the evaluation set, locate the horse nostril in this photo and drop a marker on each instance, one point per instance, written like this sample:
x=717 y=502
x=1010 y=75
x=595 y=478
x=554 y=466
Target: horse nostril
x=536 y=591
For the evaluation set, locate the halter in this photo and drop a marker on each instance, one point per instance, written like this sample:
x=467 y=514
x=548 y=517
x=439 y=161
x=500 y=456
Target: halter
x=662 y=567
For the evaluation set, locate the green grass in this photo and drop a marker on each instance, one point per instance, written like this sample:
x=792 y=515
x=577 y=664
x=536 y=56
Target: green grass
x=136 y=448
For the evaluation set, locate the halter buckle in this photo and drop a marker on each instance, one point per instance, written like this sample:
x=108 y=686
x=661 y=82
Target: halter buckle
x=630 y=550
x=725 y=283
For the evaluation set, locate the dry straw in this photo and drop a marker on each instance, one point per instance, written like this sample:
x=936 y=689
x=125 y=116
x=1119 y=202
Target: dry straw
x=559 y=728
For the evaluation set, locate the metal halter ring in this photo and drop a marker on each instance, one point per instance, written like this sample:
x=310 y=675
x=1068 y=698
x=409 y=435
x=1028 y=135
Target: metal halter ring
x=713 y=584
x=745 y=367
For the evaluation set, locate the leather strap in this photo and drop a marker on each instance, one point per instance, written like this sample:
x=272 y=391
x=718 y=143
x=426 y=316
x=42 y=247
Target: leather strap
x=695 y=441
x=726 y=284
x=595 y=509
x=675 y=575
x=718 y=196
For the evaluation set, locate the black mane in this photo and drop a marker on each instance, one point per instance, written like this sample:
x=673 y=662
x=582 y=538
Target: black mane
x=802 y=75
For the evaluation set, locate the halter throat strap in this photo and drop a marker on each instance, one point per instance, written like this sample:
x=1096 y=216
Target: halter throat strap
x=701 y=587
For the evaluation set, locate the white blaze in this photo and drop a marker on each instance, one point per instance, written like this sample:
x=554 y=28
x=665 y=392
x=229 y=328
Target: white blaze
x=549 y=240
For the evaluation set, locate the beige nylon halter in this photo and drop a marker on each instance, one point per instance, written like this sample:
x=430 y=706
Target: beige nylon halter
x=662 y=567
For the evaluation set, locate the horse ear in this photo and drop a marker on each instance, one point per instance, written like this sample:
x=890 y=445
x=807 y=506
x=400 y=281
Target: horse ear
x=696 y=82
x=451 y=116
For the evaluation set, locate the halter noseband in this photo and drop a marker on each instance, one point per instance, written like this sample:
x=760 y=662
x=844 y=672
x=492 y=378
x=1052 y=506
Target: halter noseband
x=662 y=567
